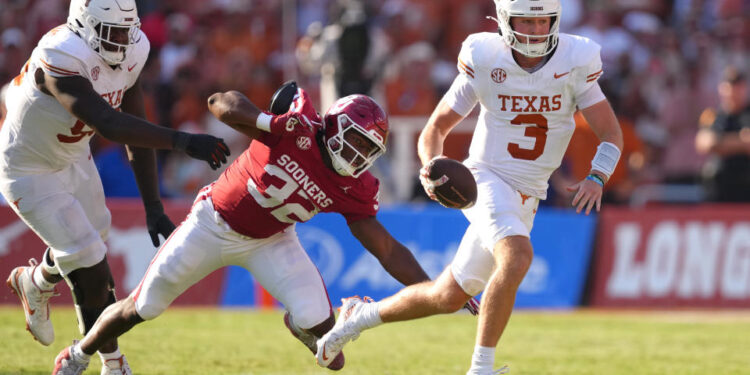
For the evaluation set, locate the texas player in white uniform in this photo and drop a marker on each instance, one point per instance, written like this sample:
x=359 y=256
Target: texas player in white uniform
x=528 y=80
x=296 y=166
x=81 y=78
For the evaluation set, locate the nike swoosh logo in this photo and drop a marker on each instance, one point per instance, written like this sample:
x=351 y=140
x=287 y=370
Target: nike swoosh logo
x=561 y=75
x=325 y=357
x=130 y=68
x=15 y=202
x=24 y=300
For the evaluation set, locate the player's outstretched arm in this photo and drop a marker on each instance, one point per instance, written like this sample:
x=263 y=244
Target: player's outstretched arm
x=603 y=122
x=78 y=96
x=395 y=257
x=236 y=110
x=143 y=162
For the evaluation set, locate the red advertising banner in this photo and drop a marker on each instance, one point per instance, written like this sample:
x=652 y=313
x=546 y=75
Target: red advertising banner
x=129 y=252
x=674 y=256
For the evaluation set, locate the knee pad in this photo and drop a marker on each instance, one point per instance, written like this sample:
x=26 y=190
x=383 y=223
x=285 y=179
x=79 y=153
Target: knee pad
x=86 y=314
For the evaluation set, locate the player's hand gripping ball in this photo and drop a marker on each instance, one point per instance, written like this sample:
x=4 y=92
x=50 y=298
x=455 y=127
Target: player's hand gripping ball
x=449 y=182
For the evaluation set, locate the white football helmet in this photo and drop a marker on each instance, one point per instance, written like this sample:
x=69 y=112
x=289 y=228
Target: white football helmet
x=529 y=8
x=109 y=27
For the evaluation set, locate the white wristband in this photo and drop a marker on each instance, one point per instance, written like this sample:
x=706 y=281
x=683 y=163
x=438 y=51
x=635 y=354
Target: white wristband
x=264 y=122
x=606 y=158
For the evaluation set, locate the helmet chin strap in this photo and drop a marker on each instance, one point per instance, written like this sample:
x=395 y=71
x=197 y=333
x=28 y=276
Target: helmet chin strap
x=335 y=163
x=112 y=58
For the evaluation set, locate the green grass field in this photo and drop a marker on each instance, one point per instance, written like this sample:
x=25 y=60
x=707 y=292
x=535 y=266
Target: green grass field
x=211 y=341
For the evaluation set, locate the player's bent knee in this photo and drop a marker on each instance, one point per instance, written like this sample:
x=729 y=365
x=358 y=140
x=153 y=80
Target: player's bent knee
x=148 y=311
x=69 y=261
x=521 y=261
x=472 y=287
x=127 y=311
x=451 y=299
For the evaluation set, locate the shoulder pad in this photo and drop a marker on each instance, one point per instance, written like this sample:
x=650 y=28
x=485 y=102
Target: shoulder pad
x=480 y=49
x=580 y=50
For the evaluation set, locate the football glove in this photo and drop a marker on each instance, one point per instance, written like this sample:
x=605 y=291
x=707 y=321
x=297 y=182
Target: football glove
x=202 y=147
x=157 y=222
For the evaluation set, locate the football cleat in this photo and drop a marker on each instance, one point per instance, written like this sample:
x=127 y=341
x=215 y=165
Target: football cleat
x=66 y=363
x=35 y=302
x=345 y=330
x=310 y=341
x=117 y=366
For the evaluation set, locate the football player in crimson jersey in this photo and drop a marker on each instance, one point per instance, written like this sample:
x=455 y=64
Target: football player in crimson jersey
x=297 y=165
x=81 y=79
x=529 y=80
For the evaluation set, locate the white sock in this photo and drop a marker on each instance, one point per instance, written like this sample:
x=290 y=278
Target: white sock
x=108 y=356
x=76 y=352
x=370 y=317
x=40 y=281
x=482 y=360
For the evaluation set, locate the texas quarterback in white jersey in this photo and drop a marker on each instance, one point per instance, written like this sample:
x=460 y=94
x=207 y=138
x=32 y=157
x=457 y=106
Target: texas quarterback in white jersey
x=529 y=80
x=81 y=79
x=526 y=119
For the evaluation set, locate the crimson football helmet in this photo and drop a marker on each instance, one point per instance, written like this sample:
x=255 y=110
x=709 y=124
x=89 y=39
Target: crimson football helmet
x=529 y=8
x=360 y=114
x=109 y=27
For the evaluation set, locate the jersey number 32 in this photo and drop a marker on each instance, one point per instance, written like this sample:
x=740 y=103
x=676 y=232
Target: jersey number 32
x=275 y=197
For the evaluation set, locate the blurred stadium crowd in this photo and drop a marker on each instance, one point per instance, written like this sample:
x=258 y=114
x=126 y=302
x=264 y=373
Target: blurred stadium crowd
x=663 y=61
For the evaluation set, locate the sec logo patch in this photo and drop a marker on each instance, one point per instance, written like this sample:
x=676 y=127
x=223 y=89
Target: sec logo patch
x=304 y=143
x=498 y=75
x=95 y=73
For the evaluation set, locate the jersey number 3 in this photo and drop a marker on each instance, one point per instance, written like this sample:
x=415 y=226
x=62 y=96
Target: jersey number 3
x=538 y=132
x=77 y=133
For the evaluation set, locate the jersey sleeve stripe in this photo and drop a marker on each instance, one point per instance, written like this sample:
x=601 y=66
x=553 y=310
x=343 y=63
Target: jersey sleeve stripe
x=466 y=67
x=58 y=70
x=594 y=78
x=467 y=73
x=595 y=74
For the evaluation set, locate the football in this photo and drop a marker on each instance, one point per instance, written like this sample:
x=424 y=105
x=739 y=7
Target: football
x=455 y=186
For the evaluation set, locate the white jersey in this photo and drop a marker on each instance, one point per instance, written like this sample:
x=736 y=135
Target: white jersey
x=526 y=119
x=39 y=135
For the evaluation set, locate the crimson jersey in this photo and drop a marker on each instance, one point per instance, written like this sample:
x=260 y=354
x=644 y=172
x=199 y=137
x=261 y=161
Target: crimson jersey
x=281 y=179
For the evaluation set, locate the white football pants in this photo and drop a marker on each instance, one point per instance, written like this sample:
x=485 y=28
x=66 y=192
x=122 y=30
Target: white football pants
x=500 y=211
x=66 y=209
x=204 y=243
